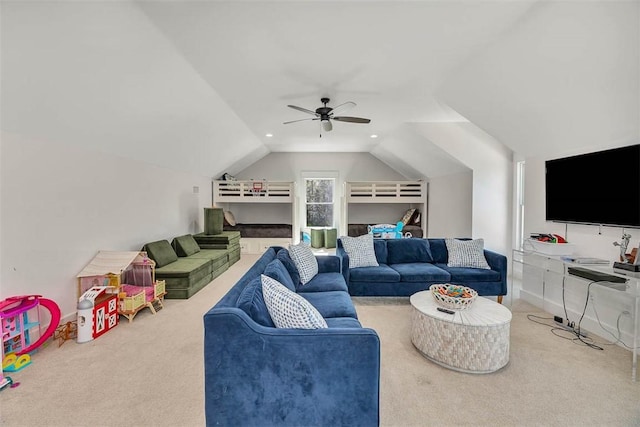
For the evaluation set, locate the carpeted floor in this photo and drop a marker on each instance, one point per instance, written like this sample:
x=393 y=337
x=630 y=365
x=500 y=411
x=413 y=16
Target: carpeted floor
x=549 y=381
x=150 y=373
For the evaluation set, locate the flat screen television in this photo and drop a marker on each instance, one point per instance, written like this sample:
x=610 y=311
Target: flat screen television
x=595 y=188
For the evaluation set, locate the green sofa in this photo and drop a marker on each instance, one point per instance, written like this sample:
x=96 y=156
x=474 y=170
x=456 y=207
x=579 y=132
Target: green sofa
x=184 y=266
x=229 y=240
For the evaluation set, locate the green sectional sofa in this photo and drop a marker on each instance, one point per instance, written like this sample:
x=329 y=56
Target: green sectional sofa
x=184 y=266
x=229 y=240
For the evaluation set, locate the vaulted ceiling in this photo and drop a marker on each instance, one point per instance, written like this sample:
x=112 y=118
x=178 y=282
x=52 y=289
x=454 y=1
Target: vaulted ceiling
x=209 y=79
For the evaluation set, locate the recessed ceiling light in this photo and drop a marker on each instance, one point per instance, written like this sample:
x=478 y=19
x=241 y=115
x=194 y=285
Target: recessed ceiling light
x=269 y=135
x=374 y=136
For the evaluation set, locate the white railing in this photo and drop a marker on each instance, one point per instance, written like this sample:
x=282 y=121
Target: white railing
x=386 y=192
x=252 y=192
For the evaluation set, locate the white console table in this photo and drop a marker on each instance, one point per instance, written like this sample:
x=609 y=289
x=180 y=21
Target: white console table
x=547 y=283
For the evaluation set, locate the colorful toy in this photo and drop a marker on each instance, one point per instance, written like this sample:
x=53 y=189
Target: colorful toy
x=100 y=314
x=17 y=325
x=386 y=231
x=14 y=363
x=7 y=381
x=66 y=332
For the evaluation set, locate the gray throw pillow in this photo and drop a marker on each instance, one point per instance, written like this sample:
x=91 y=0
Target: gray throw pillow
x=305 y=261
x=466 y=253
x=288 y=309
x=360 y=251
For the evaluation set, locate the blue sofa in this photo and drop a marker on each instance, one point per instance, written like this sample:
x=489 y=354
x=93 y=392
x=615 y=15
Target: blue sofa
x=408 y=266
x=260 y=375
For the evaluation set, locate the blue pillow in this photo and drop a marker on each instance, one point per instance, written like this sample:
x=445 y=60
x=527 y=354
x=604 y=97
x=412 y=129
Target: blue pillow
x=285 y=258
x=251 y=301
x=276 y=270
x=408 y=250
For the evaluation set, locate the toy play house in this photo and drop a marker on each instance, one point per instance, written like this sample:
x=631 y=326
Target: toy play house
x=132 y=273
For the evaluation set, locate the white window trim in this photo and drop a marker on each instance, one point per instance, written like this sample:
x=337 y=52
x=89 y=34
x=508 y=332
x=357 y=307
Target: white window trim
x=302 y=195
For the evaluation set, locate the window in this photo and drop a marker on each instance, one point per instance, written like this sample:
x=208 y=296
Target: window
x=319 y=202
x=520 y=204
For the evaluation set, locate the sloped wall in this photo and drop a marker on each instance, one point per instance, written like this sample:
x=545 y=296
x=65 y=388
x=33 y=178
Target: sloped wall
x=62 y=204
x=99 y=75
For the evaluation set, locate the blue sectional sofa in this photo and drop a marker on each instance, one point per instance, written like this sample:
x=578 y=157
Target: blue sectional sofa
x=259 y=375
x=407 y=266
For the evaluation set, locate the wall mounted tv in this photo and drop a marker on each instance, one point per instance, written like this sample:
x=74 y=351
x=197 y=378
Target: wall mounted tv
x=595 y=188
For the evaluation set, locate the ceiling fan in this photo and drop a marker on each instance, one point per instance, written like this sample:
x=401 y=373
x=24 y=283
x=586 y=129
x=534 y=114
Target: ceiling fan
x=326 y=114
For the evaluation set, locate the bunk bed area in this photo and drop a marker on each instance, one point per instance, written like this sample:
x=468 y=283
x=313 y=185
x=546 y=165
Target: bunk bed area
x=262 y=211
x=371 y=203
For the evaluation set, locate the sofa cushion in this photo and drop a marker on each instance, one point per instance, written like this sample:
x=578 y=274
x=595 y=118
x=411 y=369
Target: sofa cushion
x=408 y=250
x=360 y=251
x=331 y=303
x=284 y=256
x=288 y=309
x=305 y=261
x=438 y=249
x=277 y=271
x=185 y=245
x=343 y=322
x=380 y=247
x=380 y=274
x=252 y=302
x=332 y=281
x=466 y=275
x=421 y=272
x=161 y=252
x=185 y=267
x=218 y=256
x=466 y=253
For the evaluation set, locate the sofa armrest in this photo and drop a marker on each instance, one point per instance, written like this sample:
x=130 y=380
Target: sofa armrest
x=344 y=262
x=498 y=262
x=328 y=264
x=259 y=376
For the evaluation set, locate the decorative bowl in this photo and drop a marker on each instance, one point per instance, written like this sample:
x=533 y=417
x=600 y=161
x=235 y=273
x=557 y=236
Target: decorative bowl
x=454 y=297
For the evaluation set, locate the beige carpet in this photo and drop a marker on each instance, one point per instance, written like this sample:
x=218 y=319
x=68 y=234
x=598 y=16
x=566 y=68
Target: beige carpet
x=150 y=373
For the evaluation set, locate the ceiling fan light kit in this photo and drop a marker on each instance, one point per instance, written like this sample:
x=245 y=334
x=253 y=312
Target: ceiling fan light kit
x=326 y=114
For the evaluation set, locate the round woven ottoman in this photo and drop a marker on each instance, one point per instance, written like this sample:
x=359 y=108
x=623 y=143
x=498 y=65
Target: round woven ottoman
x=474 y=340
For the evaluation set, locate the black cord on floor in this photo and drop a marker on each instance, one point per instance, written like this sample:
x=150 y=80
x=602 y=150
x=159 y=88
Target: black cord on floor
x=575 y=334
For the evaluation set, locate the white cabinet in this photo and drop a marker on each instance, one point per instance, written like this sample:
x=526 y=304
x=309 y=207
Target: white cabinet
x=258 y=245
x=603 y=307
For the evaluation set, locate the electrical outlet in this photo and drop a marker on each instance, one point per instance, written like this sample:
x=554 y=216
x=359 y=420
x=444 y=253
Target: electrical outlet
x=557 y=319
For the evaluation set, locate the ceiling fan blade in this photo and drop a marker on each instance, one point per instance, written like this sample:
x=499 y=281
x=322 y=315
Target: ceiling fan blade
x=304 y=110
x=351 y=119
x=344 y=106
x=302 y=120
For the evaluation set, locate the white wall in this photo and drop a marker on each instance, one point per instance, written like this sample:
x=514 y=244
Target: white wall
x=351 y=167
x=61 y=204
x=450 y=205
x=101 y=75
x=106 y=130
x=564 y=76
x=492 y=166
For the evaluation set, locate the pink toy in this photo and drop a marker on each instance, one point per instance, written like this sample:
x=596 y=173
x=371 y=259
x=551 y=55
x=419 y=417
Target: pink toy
x=15 y=322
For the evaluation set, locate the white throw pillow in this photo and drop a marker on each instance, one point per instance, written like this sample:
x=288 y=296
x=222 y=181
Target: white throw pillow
x=305 y=261
x=360 y=251
x=288 y=309
x=466 y=253
x=230 y=218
